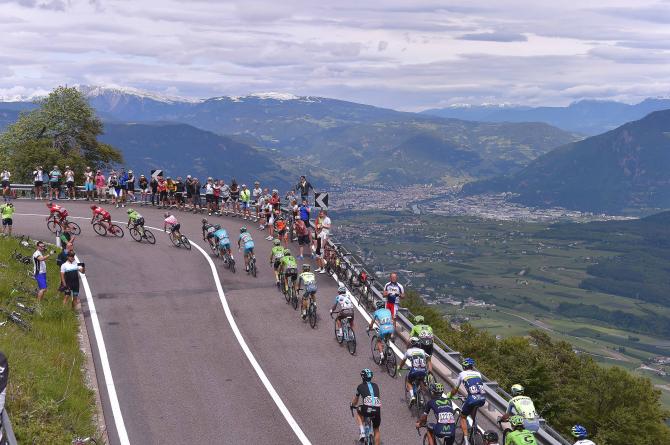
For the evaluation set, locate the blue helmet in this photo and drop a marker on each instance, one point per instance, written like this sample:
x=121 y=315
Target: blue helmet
x=579 y=431
x=468 y=363
x=366 y=375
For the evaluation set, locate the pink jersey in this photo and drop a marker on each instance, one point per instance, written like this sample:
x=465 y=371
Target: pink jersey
x=171 y=220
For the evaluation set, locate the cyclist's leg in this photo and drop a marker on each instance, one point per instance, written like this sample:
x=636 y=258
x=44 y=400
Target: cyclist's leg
x=431 y=436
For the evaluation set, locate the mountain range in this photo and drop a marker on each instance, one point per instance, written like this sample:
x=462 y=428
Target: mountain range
x=622 y=170
x=588 y=117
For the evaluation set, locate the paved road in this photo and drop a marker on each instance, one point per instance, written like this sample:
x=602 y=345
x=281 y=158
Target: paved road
x=181 y=375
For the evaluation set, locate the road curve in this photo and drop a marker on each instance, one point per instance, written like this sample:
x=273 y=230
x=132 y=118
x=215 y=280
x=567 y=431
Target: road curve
x=180 y=374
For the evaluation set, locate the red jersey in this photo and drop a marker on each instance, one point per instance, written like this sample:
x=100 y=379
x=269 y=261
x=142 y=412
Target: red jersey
x=104 y=214
x=55 y=208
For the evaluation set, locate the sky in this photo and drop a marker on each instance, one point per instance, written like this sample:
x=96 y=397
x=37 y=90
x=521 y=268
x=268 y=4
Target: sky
x=408 y=55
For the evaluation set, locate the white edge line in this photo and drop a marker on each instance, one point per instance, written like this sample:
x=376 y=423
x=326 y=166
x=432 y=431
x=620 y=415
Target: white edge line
x=224 y=302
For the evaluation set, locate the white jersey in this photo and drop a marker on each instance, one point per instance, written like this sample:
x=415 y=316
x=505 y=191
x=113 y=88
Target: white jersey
x=69 y=176
x=416 y=357
x=6 y=175
x=584 y=442
x=344 y=302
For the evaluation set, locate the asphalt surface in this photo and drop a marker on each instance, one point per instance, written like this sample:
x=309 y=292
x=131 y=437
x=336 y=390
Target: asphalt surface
x=181 y=375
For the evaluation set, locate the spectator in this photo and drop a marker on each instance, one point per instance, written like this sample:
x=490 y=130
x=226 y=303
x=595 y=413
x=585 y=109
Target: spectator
x=144 y=190
x=180 y=190
x=155 y=197
x=69 y=279
x=209 y=194
x=66 y=236
x=162 y=192
x=89 y=184
x=4 y=380
x=304 y=236
x=69 y=182
x=38 y=181
x=322 y=232
x=7 y=212
x=235 y=197
x=217 y=196
x=171 y=189
x=393 y=292
x=100 y=185
x=114 y=188
x=196 y=194
x=303 y=188
x=130 y=187
x=304 y=211
x=54 y=183
x=123 y=187
x=40 y=269
x=256 y=195
x=62 y=256
x=225 y=195
x=245 y=200
x=6 y=190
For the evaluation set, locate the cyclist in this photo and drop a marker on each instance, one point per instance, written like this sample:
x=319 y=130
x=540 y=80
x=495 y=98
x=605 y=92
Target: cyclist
x=308 y=280
x=58 y=212
x=222 y=241
x=490 y=437
x=102 y=215
x=276 y=254
x=441 y=406
x=345 y=308
x=136 y=220
x=425 y=334
x=370 y=406
x=474 y=386
x=579 y=432
x=245 y=237
x=208 y=232
x=281 y=229
x=417 y=366
x=382 y=316
x=172 y=222
x=288 y=266
x=521 y=405
x=519 y=435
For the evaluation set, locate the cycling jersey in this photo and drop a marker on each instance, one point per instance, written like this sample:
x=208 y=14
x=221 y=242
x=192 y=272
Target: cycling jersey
x=395 y=290
x=416 y=358
x=522 y=406
x=104 y=214
x=134 y=216
x=171 y=220
x=288 y=262
x=245 y=196
x=7 y=211
x=221 y=233
x=343 y=302
x=309 y=281
x=371 y=404
x=384 y=319
x=277 y=253
x=520 y=437
x=246 y=240
x=55 y=208
x=472 y=380
x=445 y=425
x=423 y=332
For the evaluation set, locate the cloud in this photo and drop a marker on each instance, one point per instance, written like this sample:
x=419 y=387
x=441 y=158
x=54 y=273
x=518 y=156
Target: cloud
x=53 y=5
x=495 y=37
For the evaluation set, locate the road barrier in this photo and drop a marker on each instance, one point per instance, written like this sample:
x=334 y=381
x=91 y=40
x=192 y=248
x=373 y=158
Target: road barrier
x=6 y=432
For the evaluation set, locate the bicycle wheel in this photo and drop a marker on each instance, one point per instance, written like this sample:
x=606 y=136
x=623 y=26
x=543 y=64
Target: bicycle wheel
x=185 y=242
x=231 y=265
x=458 y=440
x=476 y=437
x=312 y=315
x=74 y=228
x=294 y=300
x=351 y=342
x=376 y=355
x=135 y=234
x=391 y=362
x=339 y=337
x=52 y=226
x=117 y=231
x=149 y=236
x=174 y=240
x=253 y=267
x=99 y=229
x=425 y=439
x=288 y=294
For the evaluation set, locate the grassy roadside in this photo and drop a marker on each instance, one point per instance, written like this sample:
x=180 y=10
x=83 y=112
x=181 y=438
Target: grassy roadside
x=47 y=397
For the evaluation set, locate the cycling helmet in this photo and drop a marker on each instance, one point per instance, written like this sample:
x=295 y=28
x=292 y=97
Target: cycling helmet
x=287 y=252
x=437 y=388
x=166 y=214
x=516 y=421
x=130 y=211
x=418 y=319
x=468 y=363
x=341 y=290
x=217 y=226
x=306 y=267
x=276 y=242
x=204 y=221
x=517 y=390
x=93 y=207
x=366 y=375
x=413 y=342
x=243 y=229
x=380 y=304
x=579 y=431
x=491 y=436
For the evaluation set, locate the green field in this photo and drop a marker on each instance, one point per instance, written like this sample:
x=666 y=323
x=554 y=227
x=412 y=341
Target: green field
x=47 y=397
x=528 y=274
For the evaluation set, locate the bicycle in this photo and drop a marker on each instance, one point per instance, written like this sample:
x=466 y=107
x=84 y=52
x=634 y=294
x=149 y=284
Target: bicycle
x=229 y=261
x=475 y=436
x=103 y=229
x=252 y=266
x=345 y=333
x=369 y=432
x=138 y=233
x=21 y=258
x=311 y=307
x=180 y=241
x=438 y=440
x=419 y=390
x=15 y=318
x=387 y=356
x=83 y=441
x=54 y=226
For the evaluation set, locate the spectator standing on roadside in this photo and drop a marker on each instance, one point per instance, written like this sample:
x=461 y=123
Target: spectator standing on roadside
x=123 y=187
x=209 y=195
x=144 y=190
x=322 y=233
x=62 y=256
x=225 y=195
x=304 y=211
x=196 y=195
x=38 y=181
x=66 y=237
x=235 y=197
x=256 y=194
x=54 y=183
x=217 y=196
x=40 y=269
x=6 y=190
x=304 y=235
x=180 y=189
x=89 y=184
x=114 y=188
x=130 y=187
x=303 y=188
x=7 y=212
x=100 y=185
x=188 y=185
x=155 y=197
x=245 y=200
x=69 y=182
x=4 y=380
x=69 y=279
x=393 y=292
x=162 y=192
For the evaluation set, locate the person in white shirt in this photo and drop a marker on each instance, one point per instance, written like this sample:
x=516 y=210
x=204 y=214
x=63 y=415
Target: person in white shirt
x=69 y=182
x=256 y=194
x=89 y=183
x=38 y=181
x=322 y=233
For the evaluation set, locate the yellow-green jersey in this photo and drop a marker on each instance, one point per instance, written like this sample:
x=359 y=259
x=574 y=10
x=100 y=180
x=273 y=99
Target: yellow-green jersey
x=520 y=437
x=7 y=211
x=307 y=281
x=522 y=406
x=277 y=253
x=288 y=262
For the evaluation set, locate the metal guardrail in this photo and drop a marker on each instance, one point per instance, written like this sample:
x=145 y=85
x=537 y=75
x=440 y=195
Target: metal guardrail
x=6 y=432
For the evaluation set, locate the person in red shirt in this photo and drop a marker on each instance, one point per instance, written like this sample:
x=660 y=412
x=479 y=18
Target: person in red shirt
x=57 y=212
x=101 y=215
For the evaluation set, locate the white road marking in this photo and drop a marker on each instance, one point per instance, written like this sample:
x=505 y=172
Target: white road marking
x=238 y=335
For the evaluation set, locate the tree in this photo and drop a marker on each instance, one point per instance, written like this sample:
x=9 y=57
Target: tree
x=63 y=130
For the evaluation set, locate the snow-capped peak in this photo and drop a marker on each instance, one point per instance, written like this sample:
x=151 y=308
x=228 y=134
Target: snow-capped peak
x=275 y=96
x=96 y=91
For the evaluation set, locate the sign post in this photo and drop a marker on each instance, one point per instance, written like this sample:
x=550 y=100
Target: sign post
x=321 y=200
